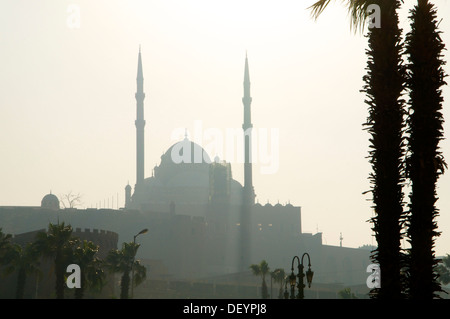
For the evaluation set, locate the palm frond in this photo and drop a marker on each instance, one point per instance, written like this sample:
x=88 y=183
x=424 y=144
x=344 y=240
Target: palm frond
x=357 y=9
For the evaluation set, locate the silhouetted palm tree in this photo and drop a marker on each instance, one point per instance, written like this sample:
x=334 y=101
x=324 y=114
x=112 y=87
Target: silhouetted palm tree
x=346 y=293
x=91 y=272
x=424 y=161
x=121 y=261
x=25 y=261
x=57 y=243
x=384 y=83
x=443 y=269
x=279 y=276
x=261 y=269
x=5 y=245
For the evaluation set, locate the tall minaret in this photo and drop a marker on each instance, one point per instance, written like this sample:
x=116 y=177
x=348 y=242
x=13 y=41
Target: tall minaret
x=140 y=124
x=249 y=195
x=248 y=198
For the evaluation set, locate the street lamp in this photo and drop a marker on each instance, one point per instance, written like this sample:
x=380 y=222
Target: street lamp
x=140 y=233
x=286 y=293
x=300 y=275
x=132 y=264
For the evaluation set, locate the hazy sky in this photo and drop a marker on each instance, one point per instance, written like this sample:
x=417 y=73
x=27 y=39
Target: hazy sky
x=67 y=105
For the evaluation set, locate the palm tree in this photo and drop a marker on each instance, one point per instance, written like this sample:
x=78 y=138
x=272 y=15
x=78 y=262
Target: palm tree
x=91 y=275
x=261 y=269
x=346 y=293
x=279 y=276
x=5 y=245
x=384 y=83
x=425 y=162
x=24 y=260
x=57 y=243
x=123 y=261
x=443 y=269
x=140 y=273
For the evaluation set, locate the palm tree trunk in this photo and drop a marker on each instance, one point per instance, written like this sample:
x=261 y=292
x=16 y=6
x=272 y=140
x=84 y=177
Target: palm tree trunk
x=425 y=162
x=125 y=285
x=384 y=84
x=59 y=272
x=21 y=280
x=264 y=290
x=79 y=292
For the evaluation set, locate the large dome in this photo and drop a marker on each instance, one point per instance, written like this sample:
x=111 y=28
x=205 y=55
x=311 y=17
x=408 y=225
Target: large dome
x=184 y=164
x=186 y=152
x=187 y=177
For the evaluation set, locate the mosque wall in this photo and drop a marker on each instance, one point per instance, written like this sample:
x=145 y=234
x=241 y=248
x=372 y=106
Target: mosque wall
x=201 y=246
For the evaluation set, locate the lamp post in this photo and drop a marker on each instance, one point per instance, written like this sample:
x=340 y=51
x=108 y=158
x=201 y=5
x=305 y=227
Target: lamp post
x=132 y=264
x=300 y=276
x=286 y=293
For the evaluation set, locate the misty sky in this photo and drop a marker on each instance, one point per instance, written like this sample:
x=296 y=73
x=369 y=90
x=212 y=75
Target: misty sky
x=67 y=105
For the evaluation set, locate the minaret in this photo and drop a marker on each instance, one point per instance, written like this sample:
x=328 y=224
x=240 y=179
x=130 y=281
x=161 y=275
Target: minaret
x=249 y=195
x=140 y=124
x=248 y=198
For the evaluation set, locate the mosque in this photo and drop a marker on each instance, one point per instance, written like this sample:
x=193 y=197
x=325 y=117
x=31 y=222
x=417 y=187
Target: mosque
x=201 y=222
x=187 y=182
x=186 y=176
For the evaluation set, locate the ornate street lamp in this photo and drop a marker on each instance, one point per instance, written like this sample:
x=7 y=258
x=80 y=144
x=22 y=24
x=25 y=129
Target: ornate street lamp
x=300 y=275
x=286 y=293
x=292 y=277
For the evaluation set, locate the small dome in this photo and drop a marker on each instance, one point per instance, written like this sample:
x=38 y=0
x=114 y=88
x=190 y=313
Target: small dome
x=50 y=201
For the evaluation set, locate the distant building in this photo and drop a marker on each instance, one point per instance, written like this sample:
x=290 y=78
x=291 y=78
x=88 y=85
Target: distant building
x=50 y=201
x=202 y=222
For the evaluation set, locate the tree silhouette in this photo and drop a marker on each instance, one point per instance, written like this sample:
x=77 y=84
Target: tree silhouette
x=425 y=162
x=5 y=245
x=443 y=269
x=384 y=83
x=57 y=243
x=92 y=275
x=25 y=261
x=121 y=261
x=70 y=200
x=261 y=269
x=346 y=293
x=279 y=276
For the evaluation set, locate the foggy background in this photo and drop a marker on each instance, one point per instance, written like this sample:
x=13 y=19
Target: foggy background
x=67 y=105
